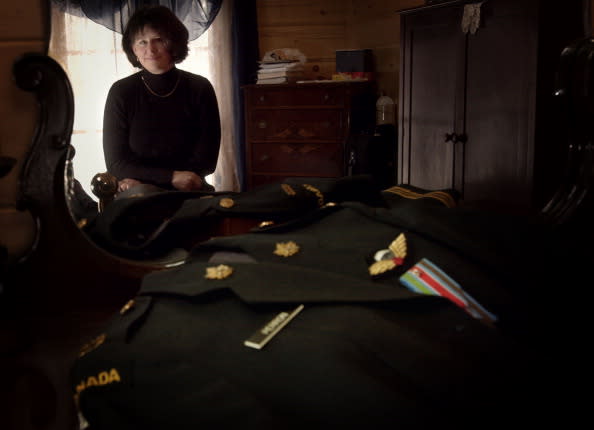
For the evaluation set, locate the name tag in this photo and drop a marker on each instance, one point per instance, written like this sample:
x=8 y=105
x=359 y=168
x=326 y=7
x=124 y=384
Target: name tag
x=268 y=331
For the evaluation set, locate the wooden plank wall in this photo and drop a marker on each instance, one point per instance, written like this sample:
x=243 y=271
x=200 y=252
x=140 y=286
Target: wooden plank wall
x=375 y=24
x=23 y=28
x=320 y=28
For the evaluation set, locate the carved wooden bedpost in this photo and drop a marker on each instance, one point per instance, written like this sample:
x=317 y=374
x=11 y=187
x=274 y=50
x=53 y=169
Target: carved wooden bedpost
x=58 y=288
x=63 y=269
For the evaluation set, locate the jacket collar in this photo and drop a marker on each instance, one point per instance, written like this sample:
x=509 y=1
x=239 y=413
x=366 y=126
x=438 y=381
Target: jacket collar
x=266 y=282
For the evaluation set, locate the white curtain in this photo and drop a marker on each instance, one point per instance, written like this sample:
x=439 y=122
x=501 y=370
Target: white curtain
x=93 y=59
x=225 y=177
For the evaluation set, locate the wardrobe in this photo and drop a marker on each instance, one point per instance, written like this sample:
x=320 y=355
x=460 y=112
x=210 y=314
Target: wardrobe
x=479 y=110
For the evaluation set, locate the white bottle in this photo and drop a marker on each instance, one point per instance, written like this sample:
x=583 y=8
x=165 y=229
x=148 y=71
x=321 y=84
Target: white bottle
x=384 y=110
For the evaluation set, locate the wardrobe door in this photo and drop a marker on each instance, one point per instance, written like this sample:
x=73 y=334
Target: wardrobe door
x=500 y=108
x=431 y=96
x=516 y=148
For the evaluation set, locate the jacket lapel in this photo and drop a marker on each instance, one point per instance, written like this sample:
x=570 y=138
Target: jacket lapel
x=273 y=283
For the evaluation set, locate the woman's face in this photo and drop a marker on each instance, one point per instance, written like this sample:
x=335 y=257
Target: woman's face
x=151 y=50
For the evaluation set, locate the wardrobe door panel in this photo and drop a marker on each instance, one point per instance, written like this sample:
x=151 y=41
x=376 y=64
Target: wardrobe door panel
x=433 y=83
x=501 y=92
x=491 y=89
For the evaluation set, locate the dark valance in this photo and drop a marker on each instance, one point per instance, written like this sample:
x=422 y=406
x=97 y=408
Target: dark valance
x=197 y=15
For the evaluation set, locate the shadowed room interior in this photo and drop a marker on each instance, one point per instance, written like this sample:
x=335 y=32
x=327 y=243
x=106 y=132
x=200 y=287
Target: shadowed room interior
x=492 y=116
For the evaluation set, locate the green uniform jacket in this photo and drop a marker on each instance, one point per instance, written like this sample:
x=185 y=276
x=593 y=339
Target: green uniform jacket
x=364 y=352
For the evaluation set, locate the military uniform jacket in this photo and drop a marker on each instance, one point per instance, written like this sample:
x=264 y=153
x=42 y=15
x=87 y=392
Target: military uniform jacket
x=363 y=352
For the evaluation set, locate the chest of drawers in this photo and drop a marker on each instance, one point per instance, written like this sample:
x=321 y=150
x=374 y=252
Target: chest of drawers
x=303 y=129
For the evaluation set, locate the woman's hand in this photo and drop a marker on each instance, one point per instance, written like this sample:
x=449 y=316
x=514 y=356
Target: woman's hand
x=127 y=183
x=184 y=180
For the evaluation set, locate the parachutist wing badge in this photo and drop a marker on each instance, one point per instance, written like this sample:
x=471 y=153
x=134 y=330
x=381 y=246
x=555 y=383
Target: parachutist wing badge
x=388 y=259
x=398 y=246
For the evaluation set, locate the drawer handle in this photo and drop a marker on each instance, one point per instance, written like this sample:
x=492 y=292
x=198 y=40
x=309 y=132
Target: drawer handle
x=326 y=97
x=262 y=98
x=308 y=148
x=262 y=124
x=301 y=149
x=305 y=133
x=453 y=137
x=287 y=148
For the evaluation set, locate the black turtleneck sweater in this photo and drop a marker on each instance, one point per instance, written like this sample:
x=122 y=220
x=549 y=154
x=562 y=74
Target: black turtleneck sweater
x=147 y=137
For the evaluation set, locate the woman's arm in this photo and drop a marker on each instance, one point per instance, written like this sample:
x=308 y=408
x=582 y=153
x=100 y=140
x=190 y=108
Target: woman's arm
x=207 y=129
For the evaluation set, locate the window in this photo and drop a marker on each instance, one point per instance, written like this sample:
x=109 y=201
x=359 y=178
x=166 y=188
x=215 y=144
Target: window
x=93 y=59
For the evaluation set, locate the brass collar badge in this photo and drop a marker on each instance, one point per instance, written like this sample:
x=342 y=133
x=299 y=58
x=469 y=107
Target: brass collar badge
x=221 y=271
x=286 y=249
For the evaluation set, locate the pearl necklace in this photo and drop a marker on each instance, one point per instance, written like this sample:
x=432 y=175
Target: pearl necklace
x=162 y=95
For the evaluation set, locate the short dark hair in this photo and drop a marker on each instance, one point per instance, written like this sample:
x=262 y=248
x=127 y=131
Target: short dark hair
x=162 y=20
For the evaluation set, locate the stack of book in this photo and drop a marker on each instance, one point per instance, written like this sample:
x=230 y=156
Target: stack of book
x=279 y=72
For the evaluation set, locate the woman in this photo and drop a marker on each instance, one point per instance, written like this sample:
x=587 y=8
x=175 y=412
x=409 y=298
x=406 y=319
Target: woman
x=161 y=125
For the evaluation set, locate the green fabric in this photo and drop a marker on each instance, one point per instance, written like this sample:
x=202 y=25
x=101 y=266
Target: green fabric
x=365 y=350
x=152 y=223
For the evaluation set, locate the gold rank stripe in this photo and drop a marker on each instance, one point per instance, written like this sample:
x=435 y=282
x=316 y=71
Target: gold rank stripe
x=442 y=196
x=317 y=192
